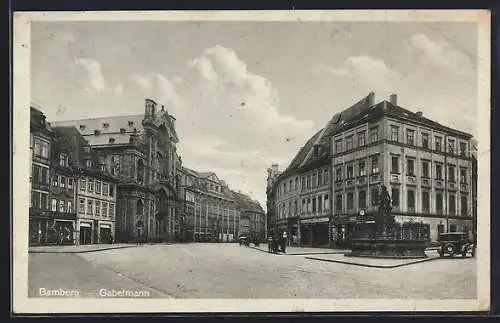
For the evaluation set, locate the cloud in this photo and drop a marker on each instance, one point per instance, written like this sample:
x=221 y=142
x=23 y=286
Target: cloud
x=228 y=118
x=88 y=73
x=439 y=52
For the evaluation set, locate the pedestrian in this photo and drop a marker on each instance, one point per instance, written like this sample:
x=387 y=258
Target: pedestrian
x=283 y=242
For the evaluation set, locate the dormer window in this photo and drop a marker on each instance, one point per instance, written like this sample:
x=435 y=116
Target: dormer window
x=105 y=125
x=130 y=123
x=97 y=132
x=122 y=131
x=63 y=160
x=111 y=140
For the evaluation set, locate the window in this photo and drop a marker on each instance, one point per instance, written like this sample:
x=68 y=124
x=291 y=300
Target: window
x=426 y=203
x=452 y=204
x=63 y=182
x=395 y=164
x=411 y=199
x=425 y=140
x=338 y=174
x=425 y=169
x=55 y=180
x=375 y=169
x=350 y=171
x=361 y=168
x=326 y=204
x=349 y=143
x=374 y=134
x=338 y=203
x=463 y=149
x=90 y=185
x=463 y=175
x=111 y=190
x=61 y=206
x=69 y=207
x=438 y=143
x=362 y=199
x=303 y=181
x=97 y=207
x=90 y=206
x=81 y=205
x=361 y=138
x=410 y=137
x=451 y=173
x=70 y=183
x=326 y=177
x=111 y=209
x=350 y=201
x=395 y=196
x=410 y=169
x=338 y=146
x=439 y=171
x=53 y=205
x=63 y=160
x=394 y=133
x=308 y=181
x=83 y=184
x=463 y=205
x=439 y=203
x=451 y=146
x=374 y=196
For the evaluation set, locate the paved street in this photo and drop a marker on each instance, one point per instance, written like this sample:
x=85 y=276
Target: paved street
x=233 y=271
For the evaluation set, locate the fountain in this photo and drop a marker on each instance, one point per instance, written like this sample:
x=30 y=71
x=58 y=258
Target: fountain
x=378 y=235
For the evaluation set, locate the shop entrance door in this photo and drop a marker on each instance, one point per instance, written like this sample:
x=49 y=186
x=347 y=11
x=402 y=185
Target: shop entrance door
x=85 y=235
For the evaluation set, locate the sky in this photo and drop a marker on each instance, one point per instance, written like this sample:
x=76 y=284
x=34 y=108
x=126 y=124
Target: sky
x=249 y=94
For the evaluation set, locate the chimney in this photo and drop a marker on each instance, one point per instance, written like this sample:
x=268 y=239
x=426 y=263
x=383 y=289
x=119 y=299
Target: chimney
x=419 y=114
x=393 y=98
x=371 y=98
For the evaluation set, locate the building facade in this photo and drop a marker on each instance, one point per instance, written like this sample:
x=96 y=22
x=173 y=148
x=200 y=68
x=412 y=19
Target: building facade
x=427 y=168
x=140 y=150
x=40 y=144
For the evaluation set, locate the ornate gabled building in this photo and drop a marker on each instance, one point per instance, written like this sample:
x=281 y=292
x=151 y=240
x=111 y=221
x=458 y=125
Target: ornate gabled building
x=140 y=150
x=427 y=168
x=40 y=164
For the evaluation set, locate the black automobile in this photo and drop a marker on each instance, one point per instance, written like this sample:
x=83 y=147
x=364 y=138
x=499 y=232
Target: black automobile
x=456 y=243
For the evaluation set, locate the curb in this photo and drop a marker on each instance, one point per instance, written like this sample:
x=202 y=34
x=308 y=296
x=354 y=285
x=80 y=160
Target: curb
x=81 y=251
x=373 y=266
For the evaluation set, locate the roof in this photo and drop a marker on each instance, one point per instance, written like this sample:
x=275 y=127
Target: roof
x=305 y=155
x=99 y=131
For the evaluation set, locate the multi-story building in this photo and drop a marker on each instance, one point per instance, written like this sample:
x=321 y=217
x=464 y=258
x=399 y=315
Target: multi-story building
x=82 y=188
x=40 y=145
x=210 y=210
x=63 y=187
x=272 y=173
x=140 y=150
x=252 y=217
x=426 y=167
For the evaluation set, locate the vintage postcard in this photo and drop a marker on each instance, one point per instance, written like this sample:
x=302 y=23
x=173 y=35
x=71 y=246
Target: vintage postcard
x=251 y=161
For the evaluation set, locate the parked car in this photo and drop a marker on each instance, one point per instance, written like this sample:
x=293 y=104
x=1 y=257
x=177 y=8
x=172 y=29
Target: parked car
x=456 y=243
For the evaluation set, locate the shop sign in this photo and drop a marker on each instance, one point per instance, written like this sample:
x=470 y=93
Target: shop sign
x=316 y=220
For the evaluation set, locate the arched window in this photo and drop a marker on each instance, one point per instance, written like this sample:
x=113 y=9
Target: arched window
x=140 y=171
x=140 y=207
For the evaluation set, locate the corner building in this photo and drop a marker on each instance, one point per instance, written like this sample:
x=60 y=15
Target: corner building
x=140 y=150
x=426 y=166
